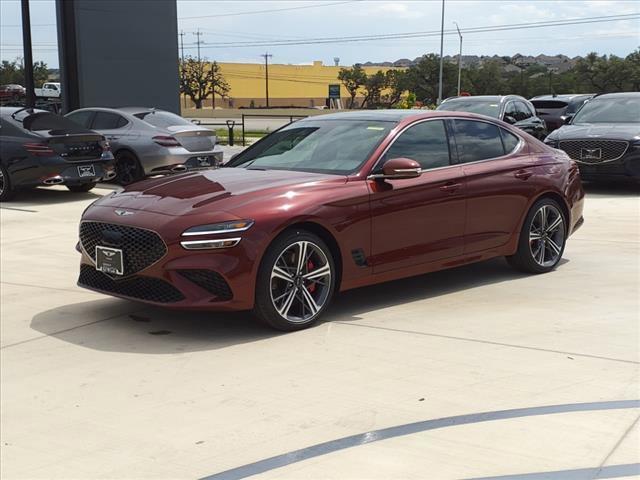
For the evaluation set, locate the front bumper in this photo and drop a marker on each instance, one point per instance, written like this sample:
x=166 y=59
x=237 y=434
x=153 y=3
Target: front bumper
x=181 y=279
x=628 y=167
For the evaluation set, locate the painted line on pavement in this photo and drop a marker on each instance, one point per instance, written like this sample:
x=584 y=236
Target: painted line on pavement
x=611 y=471
x=331 y=446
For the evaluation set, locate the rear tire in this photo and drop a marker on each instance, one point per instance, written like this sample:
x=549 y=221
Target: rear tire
x=83 y=188
x=542 y=238
x=295 y=281
x=128 y=168
x=7 y=192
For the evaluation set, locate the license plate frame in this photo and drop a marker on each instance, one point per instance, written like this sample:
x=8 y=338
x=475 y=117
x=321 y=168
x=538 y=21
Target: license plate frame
x=86 y=171
x=204 y=161
x=110 y=260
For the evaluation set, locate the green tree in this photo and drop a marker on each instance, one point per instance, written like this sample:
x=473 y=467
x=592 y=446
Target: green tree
x=633 y=64
x=353 y=79
x=200 y=79
x=373 y=86
x=396 y=84
x=13 y=72
x=423 y=78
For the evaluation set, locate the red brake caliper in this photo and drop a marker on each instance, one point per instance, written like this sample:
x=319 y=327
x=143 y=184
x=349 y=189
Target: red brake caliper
x=310 y=266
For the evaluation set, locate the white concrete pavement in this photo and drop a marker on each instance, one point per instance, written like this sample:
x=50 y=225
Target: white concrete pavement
x=95 y=387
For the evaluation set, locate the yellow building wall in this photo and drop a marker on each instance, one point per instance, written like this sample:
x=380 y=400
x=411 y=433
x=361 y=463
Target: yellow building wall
x=300 y=85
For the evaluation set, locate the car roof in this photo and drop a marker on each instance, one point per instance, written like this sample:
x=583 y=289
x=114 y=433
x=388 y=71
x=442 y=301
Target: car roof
x=390 y=115
x=563 y=96
x=618 y=95
x=485 y=98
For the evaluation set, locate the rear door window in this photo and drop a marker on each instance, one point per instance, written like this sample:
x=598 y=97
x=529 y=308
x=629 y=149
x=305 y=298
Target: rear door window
x=108 y=121
x=477 y=140
x=81 y=118
x=509 y=140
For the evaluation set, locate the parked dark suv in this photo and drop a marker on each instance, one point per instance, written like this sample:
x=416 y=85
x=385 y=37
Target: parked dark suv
x=41 y=148
x=512 y=109
x=603 y=137
x=554 y=108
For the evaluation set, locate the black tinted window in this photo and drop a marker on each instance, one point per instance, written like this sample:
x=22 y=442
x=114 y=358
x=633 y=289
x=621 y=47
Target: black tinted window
x=426 y=143
x=108 y=121
x=81 y=118
x=524 y=110
x=509 y=140
x=477 y=140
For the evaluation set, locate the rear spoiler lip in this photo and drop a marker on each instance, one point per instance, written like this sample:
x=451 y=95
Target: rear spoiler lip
x=87 y=136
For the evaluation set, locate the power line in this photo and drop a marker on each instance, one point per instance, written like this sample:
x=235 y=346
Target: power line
x=406 y=35
x=273 y=10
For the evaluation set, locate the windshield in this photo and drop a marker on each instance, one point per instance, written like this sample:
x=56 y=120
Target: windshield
x=162 y=119
x=324 y=146
x=489 y=108
x=609 y=110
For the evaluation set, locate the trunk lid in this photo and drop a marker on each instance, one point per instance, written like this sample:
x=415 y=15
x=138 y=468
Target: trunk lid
x=194 y=139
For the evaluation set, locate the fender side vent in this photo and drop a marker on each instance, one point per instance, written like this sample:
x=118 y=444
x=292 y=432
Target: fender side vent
x=358 y=257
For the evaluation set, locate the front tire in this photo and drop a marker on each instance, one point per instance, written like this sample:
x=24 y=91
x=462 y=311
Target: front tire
x=128 y=168
x=82 y=188
x=7 y=192
x=542 y=239
x=295 y=281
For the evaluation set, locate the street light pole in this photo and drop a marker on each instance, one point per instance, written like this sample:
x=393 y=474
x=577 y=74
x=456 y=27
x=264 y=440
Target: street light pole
x=441 y=55
x=459 y=58
x=266 y=56
x=182 y=76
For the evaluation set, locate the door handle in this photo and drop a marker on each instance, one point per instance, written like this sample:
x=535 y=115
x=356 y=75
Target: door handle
x=523 y=174
x=450 y=187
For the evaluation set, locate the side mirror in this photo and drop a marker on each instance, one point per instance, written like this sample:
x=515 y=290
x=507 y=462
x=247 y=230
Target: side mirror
x=195 y=121
x=399 y=168
x=567 y=119
x=509 y=119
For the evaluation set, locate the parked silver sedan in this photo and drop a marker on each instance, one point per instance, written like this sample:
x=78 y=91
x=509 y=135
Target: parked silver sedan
x=147 y=141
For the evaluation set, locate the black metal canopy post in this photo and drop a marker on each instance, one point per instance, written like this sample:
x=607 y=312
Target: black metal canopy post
x=68 y=55
x=28 y=55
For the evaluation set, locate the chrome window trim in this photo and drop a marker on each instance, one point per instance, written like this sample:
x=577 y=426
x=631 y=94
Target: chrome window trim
x=519 y=146
x=199 y=244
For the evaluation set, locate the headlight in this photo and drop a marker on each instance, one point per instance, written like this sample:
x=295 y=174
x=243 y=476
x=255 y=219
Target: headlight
x=217 y=228
x=210 y=244
x=551 y=142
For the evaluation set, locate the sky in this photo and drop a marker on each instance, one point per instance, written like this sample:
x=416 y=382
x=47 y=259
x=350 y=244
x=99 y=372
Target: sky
x=227 y=21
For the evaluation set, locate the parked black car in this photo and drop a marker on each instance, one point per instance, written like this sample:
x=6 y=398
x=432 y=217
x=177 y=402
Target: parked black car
x=41 y=148
x=513 y=109
x=603 y=137
x=554 y=108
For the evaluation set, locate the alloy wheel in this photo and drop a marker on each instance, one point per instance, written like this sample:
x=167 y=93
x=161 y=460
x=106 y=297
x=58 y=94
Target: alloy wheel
x=1 y=182
x=127 y=169
x=300 y=281
x=547 y=236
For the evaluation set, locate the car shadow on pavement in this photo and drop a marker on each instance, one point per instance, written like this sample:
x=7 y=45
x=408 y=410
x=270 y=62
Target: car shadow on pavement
x=35 y=197
x=144 y=329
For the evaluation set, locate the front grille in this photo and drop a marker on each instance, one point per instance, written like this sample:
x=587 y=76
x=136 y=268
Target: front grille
x=142 y=288
x=211 y=281
x=594 y=151
x=140 y=248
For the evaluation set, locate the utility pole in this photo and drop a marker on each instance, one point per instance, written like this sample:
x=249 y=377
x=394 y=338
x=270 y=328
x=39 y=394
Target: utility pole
x=198 y=34
x=441 y=56
x=459 y=58
x=266 y=56
x=182 y=64
x=28 y=55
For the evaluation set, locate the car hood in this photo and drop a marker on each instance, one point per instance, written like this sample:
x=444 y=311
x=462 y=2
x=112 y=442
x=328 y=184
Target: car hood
x=614 y=131
x=223 y=189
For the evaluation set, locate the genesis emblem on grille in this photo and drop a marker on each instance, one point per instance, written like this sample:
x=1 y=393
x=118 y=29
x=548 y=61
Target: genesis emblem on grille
x=123 y=213
x=591 y=153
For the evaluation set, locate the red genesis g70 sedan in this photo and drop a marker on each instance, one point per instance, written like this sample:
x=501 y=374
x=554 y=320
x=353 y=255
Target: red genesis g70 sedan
x=331 y=203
